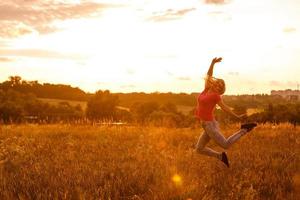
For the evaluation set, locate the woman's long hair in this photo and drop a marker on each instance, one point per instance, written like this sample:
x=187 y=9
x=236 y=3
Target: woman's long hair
x=216 y=84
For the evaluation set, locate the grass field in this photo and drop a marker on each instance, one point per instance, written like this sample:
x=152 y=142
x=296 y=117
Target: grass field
x=91 y=162
x=83 y=104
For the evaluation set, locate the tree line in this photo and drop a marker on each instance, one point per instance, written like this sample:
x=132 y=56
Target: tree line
x=45 y=90
x=67 y=92
x=16 y=107
x=19 y=103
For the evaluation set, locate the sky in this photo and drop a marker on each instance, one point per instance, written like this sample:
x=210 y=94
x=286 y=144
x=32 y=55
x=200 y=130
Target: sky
x=152 y=45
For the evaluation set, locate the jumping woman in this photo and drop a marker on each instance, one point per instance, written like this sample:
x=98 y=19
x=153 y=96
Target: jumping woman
x=206 y=103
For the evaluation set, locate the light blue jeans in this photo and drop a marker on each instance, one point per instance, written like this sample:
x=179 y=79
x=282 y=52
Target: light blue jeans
x=212 y=131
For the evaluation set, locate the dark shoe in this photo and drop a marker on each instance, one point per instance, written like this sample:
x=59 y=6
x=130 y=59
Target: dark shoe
x=225 y=159
x=248 y=126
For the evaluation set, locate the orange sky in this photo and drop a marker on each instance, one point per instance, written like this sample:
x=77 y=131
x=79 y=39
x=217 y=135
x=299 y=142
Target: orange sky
x=151 y=45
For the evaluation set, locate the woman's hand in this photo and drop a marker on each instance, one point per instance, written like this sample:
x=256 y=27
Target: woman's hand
x=216 y=60
x=211 y=68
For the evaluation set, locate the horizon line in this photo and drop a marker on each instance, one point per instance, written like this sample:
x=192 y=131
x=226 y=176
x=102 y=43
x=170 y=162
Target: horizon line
x=149 y=92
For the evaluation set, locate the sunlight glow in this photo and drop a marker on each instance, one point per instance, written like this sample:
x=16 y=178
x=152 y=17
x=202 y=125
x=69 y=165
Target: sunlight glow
x=177 y=179
x=153 y=46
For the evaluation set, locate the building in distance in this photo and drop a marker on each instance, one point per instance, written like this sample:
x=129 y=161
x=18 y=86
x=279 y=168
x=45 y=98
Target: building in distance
x=289 y=94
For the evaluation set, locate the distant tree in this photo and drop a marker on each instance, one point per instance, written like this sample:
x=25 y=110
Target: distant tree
x=15 y=80
x=239 y=109
x=18 y=107
x=169 y=107
x=10 y=112
x=124 y=115
x=11 y=106
x=102 y=106
x=168 y=119
x=46 y=90
x=142 y=111
x=269 y=115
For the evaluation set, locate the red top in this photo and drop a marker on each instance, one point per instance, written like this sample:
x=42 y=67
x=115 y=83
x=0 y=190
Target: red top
x=206 y=105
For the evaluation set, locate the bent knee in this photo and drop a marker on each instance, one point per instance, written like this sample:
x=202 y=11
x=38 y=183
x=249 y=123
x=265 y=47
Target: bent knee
x=199 y=149
x=224 y=145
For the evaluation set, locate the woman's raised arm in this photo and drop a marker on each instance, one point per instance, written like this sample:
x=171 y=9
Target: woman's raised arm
x=211 y=70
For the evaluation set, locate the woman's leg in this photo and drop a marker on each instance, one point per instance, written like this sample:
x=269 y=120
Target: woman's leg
x=212 y=129
x=200 y=147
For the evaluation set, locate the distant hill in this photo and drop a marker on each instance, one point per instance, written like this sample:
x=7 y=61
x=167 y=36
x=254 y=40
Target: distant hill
x=45 y=90
x=54 y=102
x=128 y=99
x=82 y=104
x=186 y=101
x=69 y=93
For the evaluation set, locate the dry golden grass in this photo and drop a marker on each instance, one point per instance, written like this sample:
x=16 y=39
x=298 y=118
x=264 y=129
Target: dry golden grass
x=85 y=162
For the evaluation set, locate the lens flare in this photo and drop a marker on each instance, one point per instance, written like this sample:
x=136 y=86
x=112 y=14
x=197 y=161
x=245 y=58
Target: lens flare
x=177 y=179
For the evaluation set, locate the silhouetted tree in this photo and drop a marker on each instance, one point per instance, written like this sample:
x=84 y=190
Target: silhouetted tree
x=102 y=106
x=141 y=111
x=169 y=107
x=123 y=115
x=168 y=119
x=46 y=90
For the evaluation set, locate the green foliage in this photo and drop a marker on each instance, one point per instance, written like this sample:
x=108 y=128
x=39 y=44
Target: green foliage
x=126 y=99
x=141 y=111
x=46 y=90
x=19 y=107
x=18 y=100
x=102 y=106
x=151 y=113
x=123 y=115
x=167 y=119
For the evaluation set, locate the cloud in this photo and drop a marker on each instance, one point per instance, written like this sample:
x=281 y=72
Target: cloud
x=275 y=83
x=162 y=56
x=4 y=43
x=169 y=73
x=292 y=84
x=184 y=78
x=130 y=71
x=216 y=13
x=38 y=53
x=19 y=17
x=101 y=83
x=216 y=1
x=127 y=86
x=288 y=84
x=233 y=73
x=289 y=29
x=169 y=14
x=220 y=15
x=5 y=59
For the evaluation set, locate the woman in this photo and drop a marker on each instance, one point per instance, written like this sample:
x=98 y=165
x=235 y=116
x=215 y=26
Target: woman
x=206 y=104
